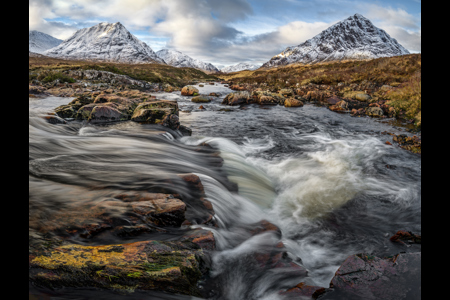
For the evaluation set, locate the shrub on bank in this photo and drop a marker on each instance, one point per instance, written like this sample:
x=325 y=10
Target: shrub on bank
x=51 y=76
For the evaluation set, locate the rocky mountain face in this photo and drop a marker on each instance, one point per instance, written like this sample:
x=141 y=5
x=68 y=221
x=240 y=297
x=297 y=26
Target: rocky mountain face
x=105 y=42
x=240 y=67
x=38 y=41
x=179 y=60
x=353 y=38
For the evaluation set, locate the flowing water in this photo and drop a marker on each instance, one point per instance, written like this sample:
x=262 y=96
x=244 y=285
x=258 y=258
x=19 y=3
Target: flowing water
x=327 y=180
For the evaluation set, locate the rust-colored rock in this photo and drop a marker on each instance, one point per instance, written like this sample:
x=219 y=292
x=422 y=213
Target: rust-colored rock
x=291 y=102
x=304 y=291
x=403 y=236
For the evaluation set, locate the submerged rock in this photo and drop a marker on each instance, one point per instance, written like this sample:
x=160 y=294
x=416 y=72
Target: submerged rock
x=364 y=276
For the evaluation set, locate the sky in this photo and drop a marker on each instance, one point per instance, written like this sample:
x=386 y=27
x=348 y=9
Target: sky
x=226 y=32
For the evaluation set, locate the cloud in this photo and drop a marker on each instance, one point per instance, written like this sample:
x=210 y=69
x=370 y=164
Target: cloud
x=399 y=24
x=218 y=31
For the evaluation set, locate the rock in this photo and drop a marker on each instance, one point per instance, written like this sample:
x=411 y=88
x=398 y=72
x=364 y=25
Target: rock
x=374 y=112
x=333 y=100
x=201 y=85
x=189 y=90
x=340 y=106
x=303 y=291
x=364 y=276
x=357 y=95
x=200 y=99
x=291 y=102
x=267 y=98
x=211 y=83
x=185 y=131
x=286 y=92
x=104 y=113
x=215 y=94
x=237 y=98
x=264 y=226
x=157 y=112
x=388 y=143
x=173 y=267
x=406 y=236
x=203 y=238
x=55 y=120
x=237 y=88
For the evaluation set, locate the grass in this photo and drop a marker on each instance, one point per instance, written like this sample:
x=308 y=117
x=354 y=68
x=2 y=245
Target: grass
x=50 y=76
x=154 y=73
x=402 y=72
x=408 y=99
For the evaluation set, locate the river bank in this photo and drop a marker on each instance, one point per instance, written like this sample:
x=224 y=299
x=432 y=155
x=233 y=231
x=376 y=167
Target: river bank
x=258 y=202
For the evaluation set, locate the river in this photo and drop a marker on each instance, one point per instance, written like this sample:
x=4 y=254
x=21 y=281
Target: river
x=326 y=179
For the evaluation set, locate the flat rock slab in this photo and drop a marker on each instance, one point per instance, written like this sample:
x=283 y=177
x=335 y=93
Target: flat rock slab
x=173 y=267
x=363 y=276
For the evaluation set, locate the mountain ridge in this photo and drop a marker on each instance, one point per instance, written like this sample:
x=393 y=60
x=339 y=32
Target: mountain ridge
x=178 y=59
x=110 y=42
x=38 y=42
x=353 y=38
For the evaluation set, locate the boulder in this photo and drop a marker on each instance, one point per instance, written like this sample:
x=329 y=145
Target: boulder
x=173 y=267
x=291 y=102
x=189 y=90
x=357 y=95
x=304 y=291
x=268 y=98
x=374 y=112
x=155 y=111
x=237 y=98
x=404 y=236
x=364 y=276
x=201 y=99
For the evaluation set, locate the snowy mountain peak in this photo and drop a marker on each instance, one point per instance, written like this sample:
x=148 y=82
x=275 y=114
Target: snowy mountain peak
x=105 y=42
x=178 y=59
x=240 y=67
x=353 y=38
x=38 y=41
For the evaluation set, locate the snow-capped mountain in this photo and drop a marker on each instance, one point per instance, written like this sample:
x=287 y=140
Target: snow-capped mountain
x=353 y=38
x=38 y=41
x=105 y=42
x=240 y=67
x=179 y=60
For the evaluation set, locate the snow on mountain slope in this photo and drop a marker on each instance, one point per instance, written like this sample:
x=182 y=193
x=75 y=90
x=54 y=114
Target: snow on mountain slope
x=353 y=38
x=179 y=60
x=38 y=41
x=240 y=67
x=105 y=42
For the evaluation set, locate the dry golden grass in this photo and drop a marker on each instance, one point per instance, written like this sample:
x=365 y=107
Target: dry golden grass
x=155 y=73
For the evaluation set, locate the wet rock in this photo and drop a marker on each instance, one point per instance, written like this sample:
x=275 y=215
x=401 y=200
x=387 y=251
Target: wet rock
x=363 y=276
x=54 y=120
x=291 y=102
x=204 y=238
x=340 y=106
x=388 y=143
x=403 y=236
x=189 y=90
x=201 y=107
x=106 y=113
x=162 y=112
x=264 y=226
x=215 y=94
x=201 y=85
x=200 y=99
x=185 y=131
x=374 y=112
x=304 y=291
x=413 y=144
x=211 y=83
x=237 y=98
x=173 y=267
